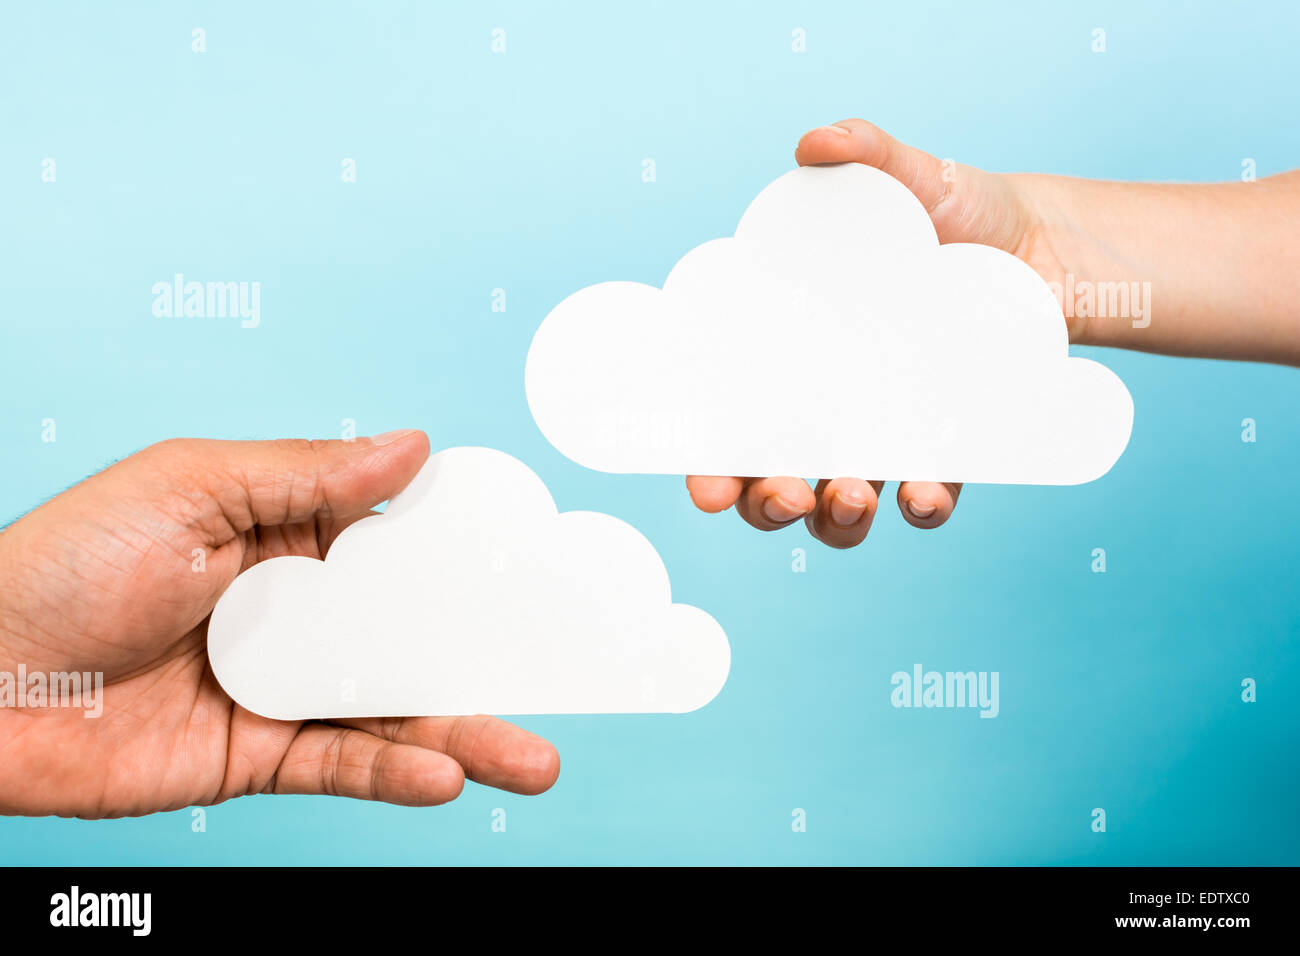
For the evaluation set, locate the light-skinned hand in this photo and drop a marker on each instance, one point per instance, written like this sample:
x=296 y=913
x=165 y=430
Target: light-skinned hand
x=1223 y=260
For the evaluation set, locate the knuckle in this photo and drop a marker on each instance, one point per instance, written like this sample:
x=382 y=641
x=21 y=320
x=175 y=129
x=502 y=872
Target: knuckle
x=331 y=761
x=294 y=445
x=172 y=449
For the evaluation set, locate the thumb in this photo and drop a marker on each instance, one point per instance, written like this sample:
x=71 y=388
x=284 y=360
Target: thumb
x=293 y=480
x=857 y=141
x=964 y=203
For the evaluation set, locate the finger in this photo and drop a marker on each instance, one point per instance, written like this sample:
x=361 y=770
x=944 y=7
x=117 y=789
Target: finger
x=289 y=481
x=342 y=762
x=772 y=503
x=844 y=512
x=491 y=751
x=927 y=504
x=714 y=494
x=857 y=141
x=965 y=204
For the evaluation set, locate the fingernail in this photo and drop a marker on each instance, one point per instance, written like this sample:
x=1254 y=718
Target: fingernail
x=389 y=437
x=920 y=511
x=847 y=507
x=839 y=129
x=776 y=508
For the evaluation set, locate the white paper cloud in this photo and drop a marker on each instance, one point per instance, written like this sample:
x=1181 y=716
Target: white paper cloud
x=832 y=336
x=470 y=594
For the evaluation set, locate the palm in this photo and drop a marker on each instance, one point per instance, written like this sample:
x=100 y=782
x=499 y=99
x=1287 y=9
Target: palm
x=164 y=741
x=153 y=655
x=118 y=576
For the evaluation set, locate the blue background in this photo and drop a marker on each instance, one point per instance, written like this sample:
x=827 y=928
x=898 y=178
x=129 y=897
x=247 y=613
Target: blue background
x=523 y=171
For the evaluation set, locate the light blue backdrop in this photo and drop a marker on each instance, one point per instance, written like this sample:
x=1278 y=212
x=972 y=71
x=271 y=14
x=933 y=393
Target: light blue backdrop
x=522 y=171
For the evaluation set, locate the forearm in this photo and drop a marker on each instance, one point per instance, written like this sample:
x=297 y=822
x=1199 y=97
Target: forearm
x=1208 y=270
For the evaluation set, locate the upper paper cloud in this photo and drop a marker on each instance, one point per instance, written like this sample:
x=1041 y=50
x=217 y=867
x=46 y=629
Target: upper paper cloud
x=470 y=594
x=832 y=336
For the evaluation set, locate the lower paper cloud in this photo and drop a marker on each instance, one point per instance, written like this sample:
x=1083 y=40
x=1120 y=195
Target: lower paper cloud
x=470 y=594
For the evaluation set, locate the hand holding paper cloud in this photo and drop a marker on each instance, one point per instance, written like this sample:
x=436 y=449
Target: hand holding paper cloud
x=471 y=593
x=114 y=580
x=943 y=363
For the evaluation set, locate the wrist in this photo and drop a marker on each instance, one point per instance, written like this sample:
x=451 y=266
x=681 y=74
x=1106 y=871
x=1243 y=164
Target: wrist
x=1062 y=244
